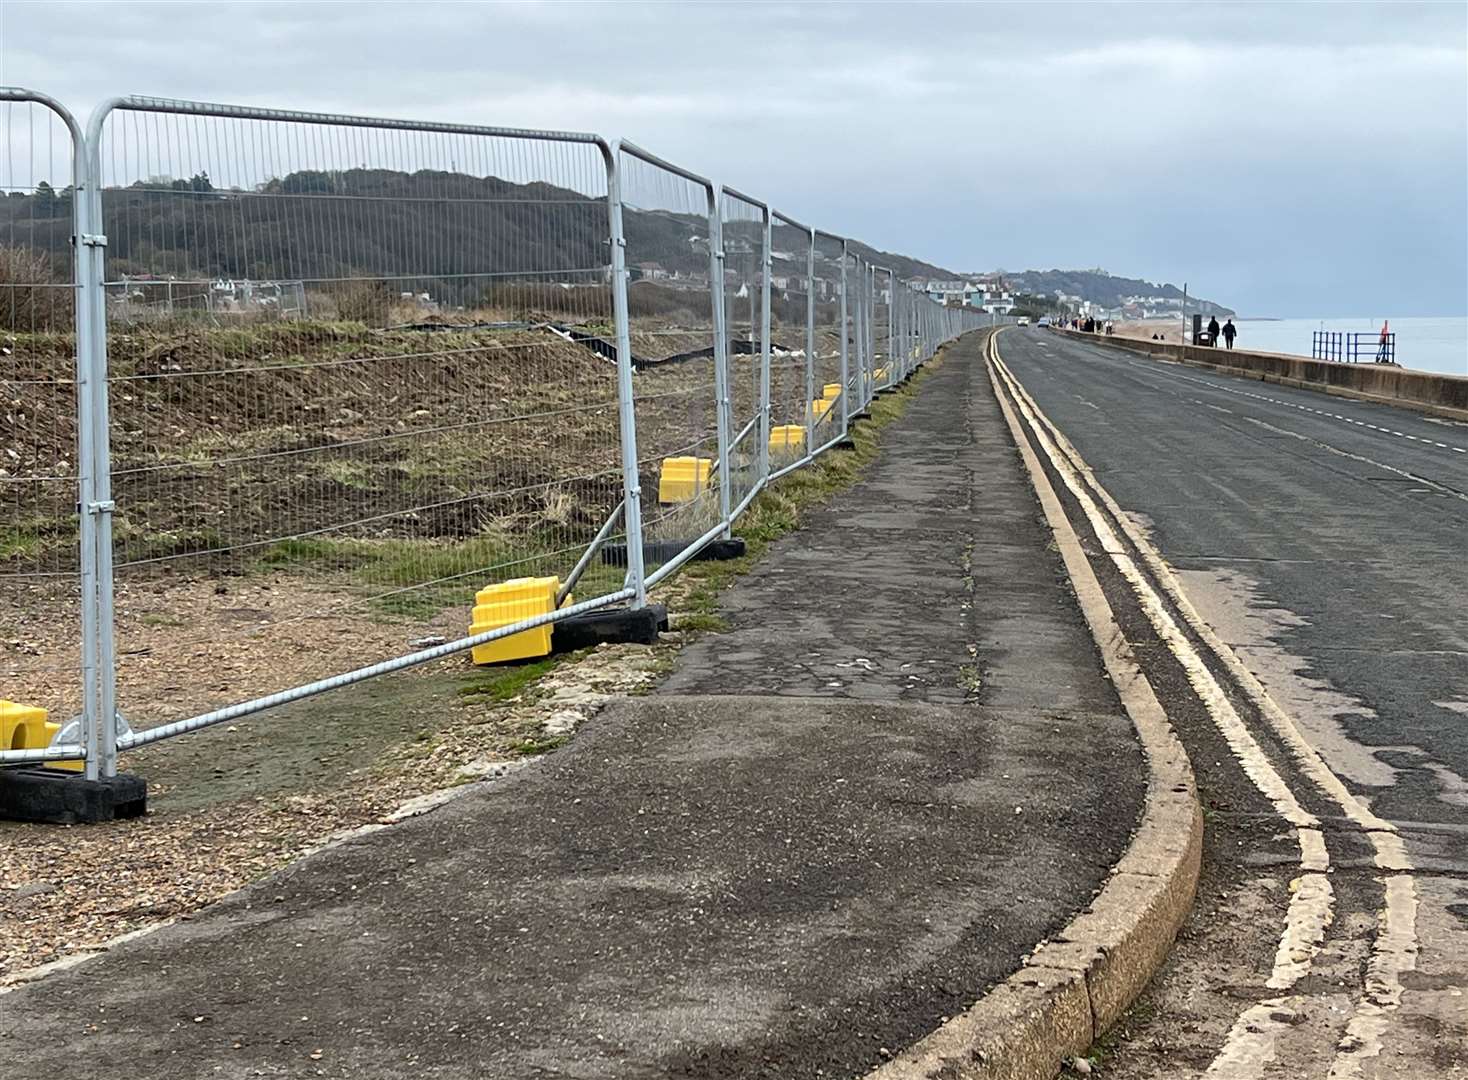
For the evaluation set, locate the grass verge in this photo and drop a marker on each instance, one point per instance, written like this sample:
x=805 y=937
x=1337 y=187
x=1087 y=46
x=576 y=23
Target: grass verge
x=782 y=506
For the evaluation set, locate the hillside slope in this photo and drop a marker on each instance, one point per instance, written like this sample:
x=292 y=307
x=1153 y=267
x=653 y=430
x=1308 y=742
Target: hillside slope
x=1103 y=288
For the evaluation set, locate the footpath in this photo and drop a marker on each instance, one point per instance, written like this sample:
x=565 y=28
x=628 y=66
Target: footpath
x=833 y=828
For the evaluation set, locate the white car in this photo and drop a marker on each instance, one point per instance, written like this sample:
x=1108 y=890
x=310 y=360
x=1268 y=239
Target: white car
x=1024 y=320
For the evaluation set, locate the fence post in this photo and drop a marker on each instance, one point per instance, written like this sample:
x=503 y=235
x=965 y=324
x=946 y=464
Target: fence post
x=902 y=332
x=868 y=335
x=92 y=317
x=626 y=416
x=721 y=353
x=894 y=373
x=846 y=388
x=866 y=362
x=810 y=340
x=857 y=364
x=83 y=239
x=895 y=305
x=764 y=361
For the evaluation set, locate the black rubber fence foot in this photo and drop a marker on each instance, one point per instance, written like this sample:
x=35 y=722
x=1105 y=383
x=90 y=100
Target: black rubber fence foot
x=62 y=797
x=614 y=626
x=661 y=551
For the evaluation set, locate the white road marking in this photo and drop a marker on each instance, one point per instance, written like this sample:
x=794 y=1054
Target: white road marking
x=1393 y=954
x=1394 y=951
x=1359 y=457
x=1308 y=409
x=1250 y=1044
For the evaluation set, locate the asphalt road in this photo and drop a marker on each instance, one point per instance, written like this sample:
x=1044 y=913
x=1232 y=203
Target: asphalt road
x=1324 y=542
x=1328 y=538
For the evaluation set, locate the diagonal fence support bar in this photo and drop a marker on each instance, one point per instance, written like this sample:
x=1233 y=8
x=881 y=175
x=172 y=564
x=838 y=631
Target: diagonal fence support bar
x=559 y=320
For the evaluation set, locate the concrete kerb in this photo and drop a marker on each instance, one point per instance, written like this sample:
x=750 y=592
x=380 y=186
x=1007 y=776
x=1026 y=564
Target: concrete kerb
x=1075 y=986
x=1167 y=352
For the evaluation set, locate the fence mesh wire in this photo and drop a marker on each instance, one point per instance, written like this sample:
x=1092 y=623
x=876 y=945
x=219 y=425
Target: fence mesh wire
x=886 y=352
x=790 y=383
x=357 y=372
x=40 y=613
x=359 y=369
x=825 y=365
x=670 y=303
x=743 y=225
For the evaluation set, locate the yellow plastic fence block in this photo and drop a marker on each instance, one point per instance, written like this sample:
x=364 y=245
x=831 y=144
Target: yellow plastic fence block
x=510 y=602
x=831 y=391
x=787 y=439
x=880 y=375
x=820 y=407
x=25 y=727
x=682 y=478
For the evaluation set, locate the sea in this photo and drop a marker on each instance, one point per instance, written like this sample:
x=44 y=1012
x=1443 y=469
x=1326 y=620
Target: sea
x=1437 y=344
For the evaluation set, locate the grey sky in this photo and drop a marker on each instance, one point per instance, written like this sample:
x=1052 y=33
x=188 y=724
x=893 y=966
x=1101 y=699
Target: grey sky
x=1291 y=159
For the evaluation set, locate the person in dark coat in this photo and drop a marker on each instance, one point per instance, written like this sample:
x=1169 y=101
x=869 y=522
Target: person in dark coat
x=1229 y=332
x=1213 y=331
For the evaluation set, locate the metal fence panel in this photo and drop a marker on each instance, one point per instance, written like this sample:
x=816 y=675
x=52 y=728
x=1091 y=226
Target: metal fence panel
x=47 y=542
x=358 y=370
x=675 y=301
x=305 y=383
x=793 y=306
x=832 y=371
x=744 y=230
x=891 y=365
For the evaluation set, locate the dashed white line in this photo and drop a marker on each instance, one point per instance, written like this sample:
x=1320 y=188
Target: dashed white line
x=1317 y=412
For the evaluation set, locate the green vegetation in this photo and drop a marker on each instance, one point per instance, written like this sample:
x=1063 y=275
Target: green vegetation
x=1099 y=287
x=160 y=620
x=392 y=573
x=509 y=682
x=1142 y=1011
x=781 y=507
x=532 y=747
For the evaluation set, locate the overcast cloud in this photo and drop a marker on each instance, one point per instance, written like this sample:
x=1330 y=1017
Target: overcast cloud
x=1287 y=159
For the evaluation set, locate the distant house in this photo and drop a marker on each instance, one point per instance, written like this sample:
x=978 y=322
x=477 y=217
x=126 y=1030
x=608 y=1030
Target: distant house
x=945 y=292
x=990 y=295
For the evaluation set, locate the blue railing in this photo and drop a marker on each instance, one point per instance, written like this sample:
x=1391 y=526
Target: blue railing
x=1350 y=347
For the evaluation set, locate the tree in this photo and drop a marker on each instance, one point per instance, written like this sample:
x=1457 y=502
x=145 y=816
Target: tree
x=45 y=200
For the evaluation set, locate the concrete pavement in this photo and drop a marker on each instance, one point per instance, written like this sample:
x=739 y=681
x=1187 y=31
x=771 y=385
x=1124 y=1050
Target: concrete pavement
x=837 y=825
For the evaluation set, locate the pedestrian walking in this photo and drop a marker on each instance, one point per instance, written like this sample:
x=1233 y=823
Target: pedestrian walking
x=1230 y=331
x=1213 y=330
x=1382 y=356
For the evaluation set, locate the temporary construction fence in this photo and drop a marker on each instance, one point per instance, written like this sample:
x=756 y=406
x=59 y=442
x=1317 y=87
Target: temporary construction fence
x=387 y=363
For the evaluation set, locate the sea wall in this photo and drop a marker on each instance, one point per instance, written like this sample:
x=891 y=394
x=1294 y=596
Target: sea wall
x=1424 y=391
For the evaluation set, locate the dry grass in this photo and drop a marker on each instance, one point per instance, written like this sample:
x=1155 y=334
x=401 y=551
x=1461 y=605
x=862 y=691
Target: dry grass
x=233 y=803
x=35 y=293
